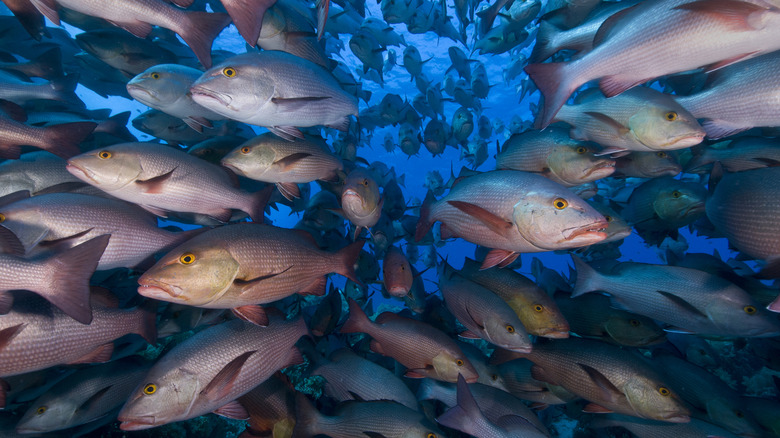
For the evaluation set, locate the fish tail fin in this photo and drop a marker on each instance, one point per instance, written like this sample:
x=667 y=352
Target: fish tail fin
x=348 y=257
x=307 y=418
x=546 y=45
x=465 y=413
x=248 y=16
x=587 y=277
x=147 y=327
x=199 y=32
x=63 y=140
x=68 y=278
x=555 y=86
x=257 y=203
x=358 y=320
x=424 y=223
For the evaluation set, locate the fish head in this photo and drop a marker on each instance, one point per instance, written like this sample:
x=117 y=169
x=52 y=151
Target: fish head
x=507 y=334
x=234 y=88
x=652 y=399
x=251 y=158
x=162 y=84
x=655 y=164
x=109 y=169
x=46 y=415
x=554 y=218
x=160 y=399
x=633 y=330
x=680 y=203
x=576 y=164
x=397 y=273
x=448 y=364
x=540 y=318
x=195 y=273
x=664 y=126
x=360 y=196
x=617 y=227
x=735 y=309
x=728 y=413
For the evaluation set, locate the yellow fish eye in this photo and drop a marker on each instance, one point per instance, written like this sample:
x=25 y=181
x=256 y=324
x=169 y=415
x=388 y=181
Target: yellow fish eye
x=245 y=150
x=229 y=72
x=364 y=182
x=430 y=435
x=671 y=116
x=749 y=309
x=560 y=203
x=739 y=414
x=459 y=362
x=150 y=388
x=510 y=329
x=664 y=391
x=634 y=322
x=608 y=218
x=676 y=194
x=41 y=410
x=104 y=155
x=187 y=258
x=661 y=154
x=155 y=75
x=581 y=149
x=494 y=377
x=2 y=218
x=538 y=307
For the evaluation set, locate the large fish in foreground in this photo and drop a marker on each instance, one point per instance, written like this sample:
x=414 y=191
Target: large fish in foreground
x=513 y=212
x=276 y=90
x=634 y=46
x=210 y=370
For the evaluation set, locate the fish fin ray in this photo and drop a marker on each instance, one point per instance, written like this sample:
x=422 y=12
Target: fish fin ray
x=233 y=410
x=100 y=354
x=496 y=224
x=252 y=313
x=156 y=184
x=681 y=303
x=222 y=383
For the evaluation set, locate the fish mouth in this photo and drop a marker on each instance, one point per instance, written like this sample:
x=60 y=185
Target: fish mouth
x=685 y=140
x=553 y=333
x=523 y=350
x=602 y=169
x=677 y=418
x=74 y=168
x=201 y=93
x=137 y=423
x=695 y=208
x=135 y=87
x=593 y=232
x=158 y=290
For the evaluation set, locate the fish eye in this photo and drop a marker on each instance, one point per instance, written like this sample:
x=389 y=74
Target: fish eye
x=430 y=435
x=676 y=194
x=664 y=391
x=560 y=203
x=671 y=116
x=459 y=362
x=104 y=155
x=2 y=218
x=634 y=322
x=739 y=414
x=608 y=218
x=41 y=410
x=581 y=149
x=538 y=307
x=661 y=154
x=155 y=75
x=494 y=377
x=510 y=329
x=187 y=258
x=150 y=388
x=229 y=72
x=749 y=309
x=365 y=182
x=245 y=150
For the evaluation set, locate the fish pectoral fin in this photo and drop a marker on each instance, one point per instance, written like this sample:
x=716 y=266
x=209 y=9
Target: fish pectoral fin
x=682 y=304
x=49 y=9
x=619 y=129
x=135 y=27
x=608 y=389
x=316 y=288
x=770 y=270
x=768 y=162
x=373 y=434
x=289 y=190
x=540 y=374
x=156 y=184
x=498 y=257
x=468 y=334
x=249 y=285
x=100 y=354
x=295 y=104
x=593 y=408
x=95 y=400
x=376 y=347
x=9 y=333
x=155 y=210
x=233 y=410
x=416 y=373
x=291 y=160
x=222 y=383
x=55 y=243
x=193 y=124
x=496 y=224
x=252 y=313
x=69 y=186
x=289 y=133
x=356 y=396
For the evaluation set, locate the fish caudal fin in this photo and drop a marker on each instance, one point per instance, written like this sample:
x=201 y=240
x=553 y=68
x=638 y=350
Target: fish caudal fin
x=465 y=413
x=424 y=223
x=348 y=257
x=551 y=80
x=587 y=278
x=63 y=140
x=199 y=31
x=147 y=327
x=67 y=285
x=307 y=418
x=358 y=321
x=545 y=46
x=258 y=201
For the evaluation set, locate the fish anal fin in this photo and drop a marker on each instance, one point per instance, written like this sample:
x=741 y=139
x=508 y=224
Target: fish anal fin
x=496 y=224
x=498 y=257
x=593 y=408
x=317 y=287
x=233 y=410
x=95 y=400
x=289 y=190
x=252 y=313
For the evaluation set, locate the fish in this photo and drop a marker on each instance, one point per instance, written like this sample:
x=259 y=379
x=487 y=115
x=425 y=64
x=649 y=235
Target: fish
x=197 y=29
x=47 y=65
x=217 y=269
x=642 y=427
x=647 y=165
x=161 y=179
x=271 y=407
x=718 y=34
x=491 y=209
x=516 y=375
x=166 y=87
x=127 y=55
x=686 y=299
x=248 y=16
x=210 y=370
x=288 y=27
x=397 y=275
x=285 y=163
x=295 y=93
x=556 y=156
x=740 y=154
x=640 y=119
x=422 y=349
x=61 y=277
x=361 y=202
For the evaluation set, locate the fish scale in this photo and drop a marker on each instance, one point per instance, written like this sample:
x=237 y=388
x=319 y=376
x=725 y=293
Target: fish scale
x=50 y=337
x=33 y=172
x=203 y=356
x=355 y=418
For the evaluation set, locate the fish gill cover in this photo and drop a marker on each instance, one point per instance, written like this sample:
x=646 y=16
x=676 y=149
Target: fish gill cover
x=546 y=218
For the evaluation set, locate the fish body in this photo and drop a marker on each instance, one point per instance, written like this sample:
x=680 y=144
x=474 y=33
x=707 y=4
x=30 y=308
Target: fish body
x=287 y=28
x=397 y=273
x=649 y=428
x=743 y=153
x=210 y=370
x=128 y=56
x=664 y=203
x=647 y=165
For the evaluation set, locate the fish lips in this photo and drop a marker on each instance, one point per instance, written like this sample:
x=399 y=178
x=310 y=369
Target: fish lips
x=151 y=288
x=602 y=169
x=137 y=423
x=685 y=140
x=586 y=234
x=79 y=171
x=204 y=96
x=135 y=91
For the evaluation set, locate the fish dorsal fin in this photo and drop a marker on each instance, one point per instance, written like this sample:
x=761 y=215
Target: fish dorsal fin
x=155 y=184
x=222 y=383
x=608 y=389
x=735 y=13
x=9 y=333
x=682 y=304
x=496 y=224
